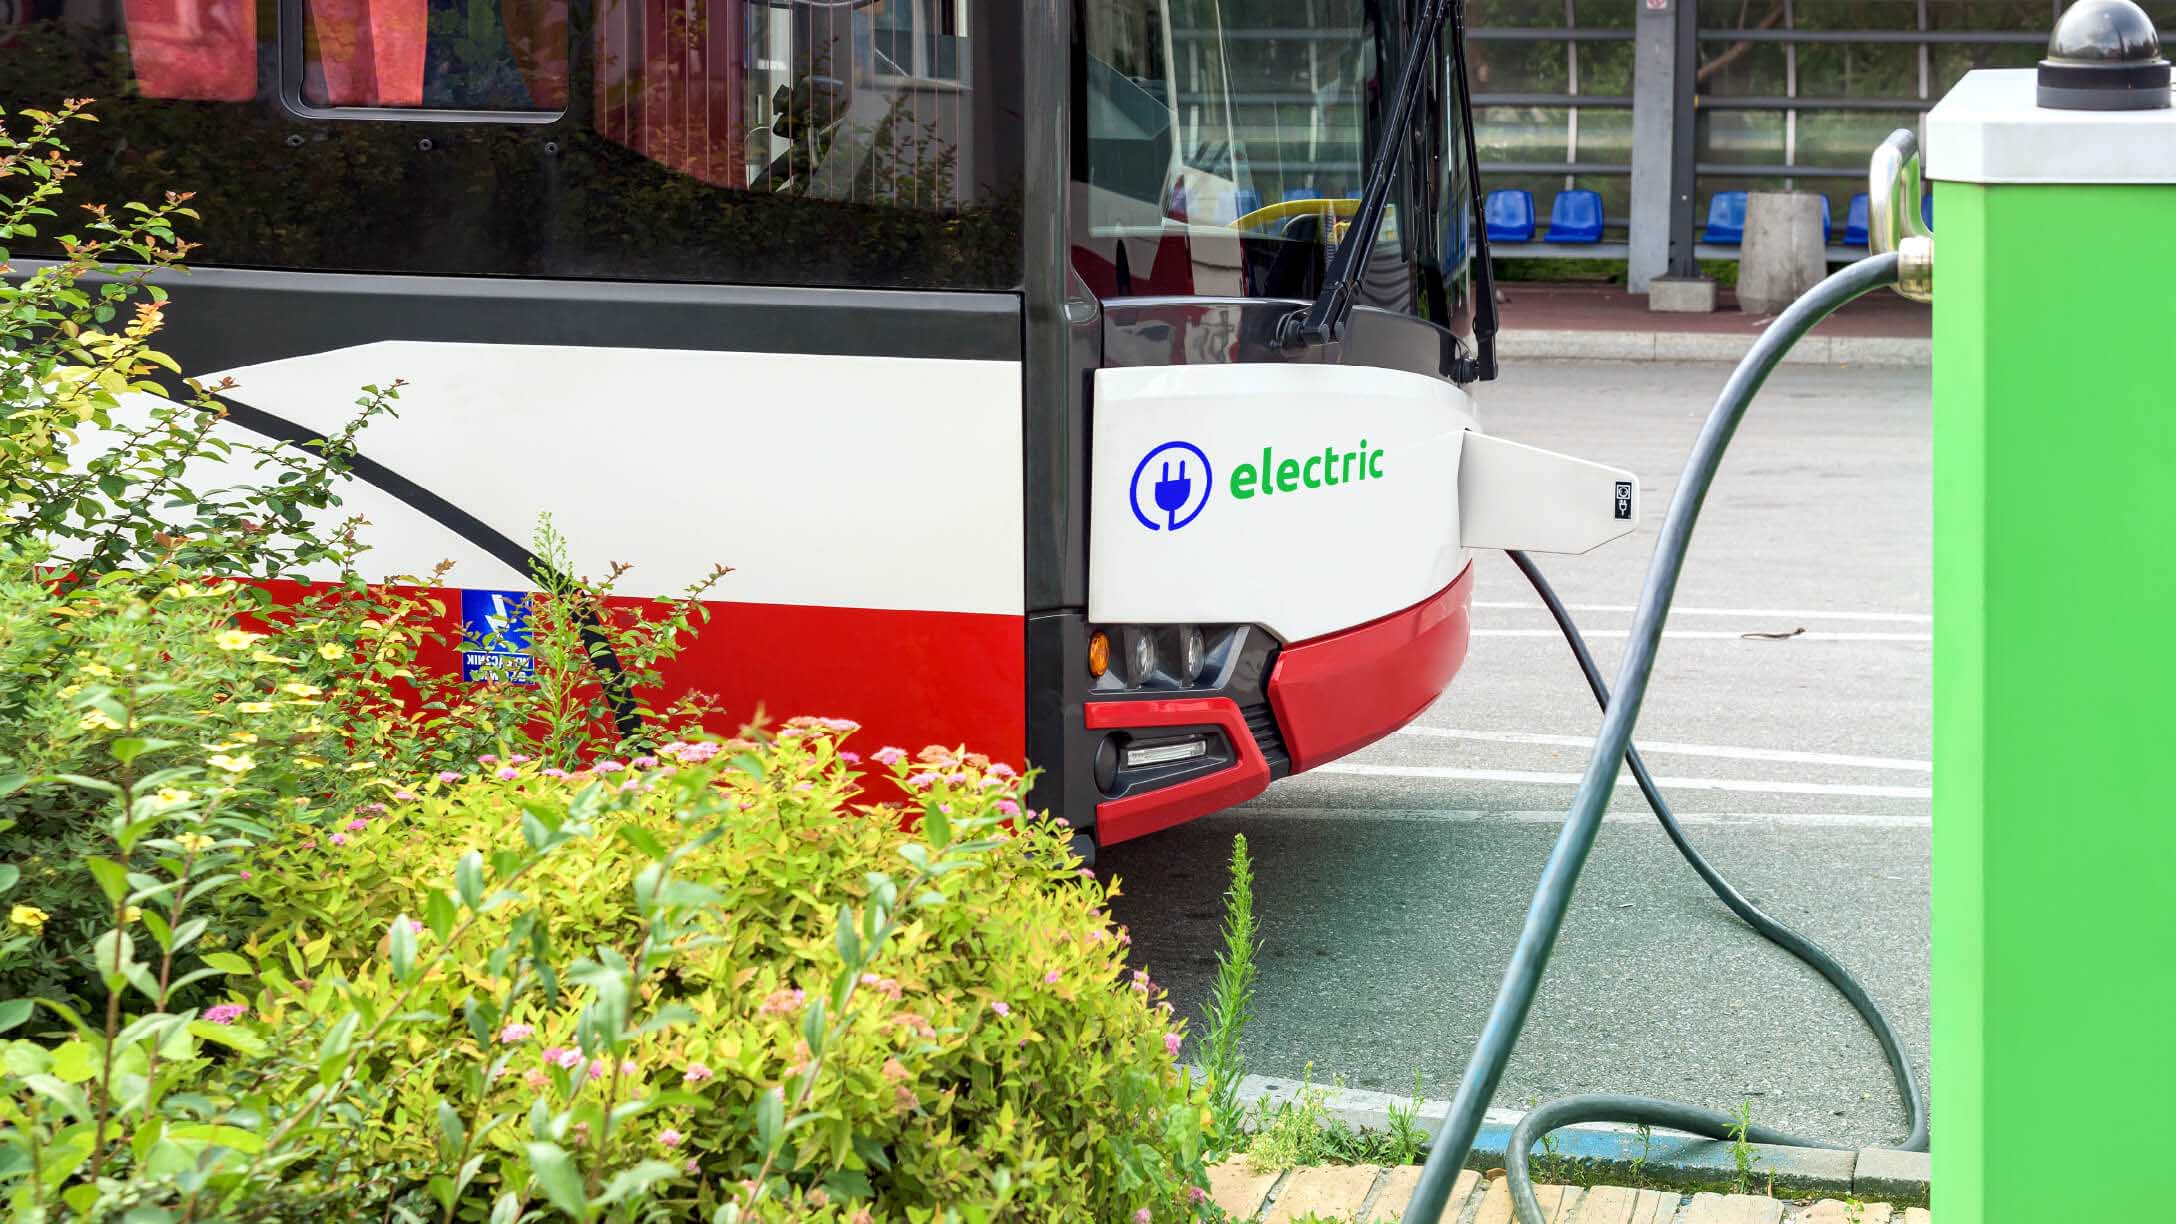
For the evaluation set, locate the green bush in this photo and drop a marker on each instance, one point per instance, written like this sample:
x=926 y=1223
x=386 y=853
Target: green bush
x=674 y=987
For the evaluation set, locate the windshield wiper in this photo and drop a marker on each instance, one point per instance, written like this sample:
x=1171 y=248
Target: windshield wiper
x=1323 y=323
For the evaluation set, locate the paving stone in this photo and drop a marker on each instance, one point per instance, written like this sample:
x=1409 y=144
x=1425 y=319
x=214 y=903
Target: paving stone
x=1333 y=1192
x=1836 y=1211
x=1655 y=1207
x=1606 y=1205
x=1732 y=1209
x=1917 y=1215
x=1889 y=1175
x=1397 y=1191
x=1556 y=1204
x=1238 y=1189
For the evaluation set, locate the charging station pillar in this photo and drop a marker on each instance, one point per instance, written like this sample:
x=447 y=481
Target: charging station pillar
x=2054 y=961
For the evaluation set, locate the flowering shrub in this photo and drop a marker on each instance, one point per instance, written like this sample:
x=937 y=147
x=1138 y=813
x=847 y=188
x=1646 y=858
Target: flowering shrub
x=695 y=984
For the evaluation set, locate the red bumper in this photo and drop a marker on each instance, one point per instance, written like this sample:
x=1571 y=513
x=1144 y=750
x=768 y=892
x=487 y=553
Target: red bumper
x=1331 y=695
x=1343 y=692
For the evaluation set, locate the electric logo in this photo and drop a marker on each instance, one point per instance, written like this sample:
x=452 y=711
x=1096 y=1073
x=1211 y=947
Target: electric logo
x=1179 y=478
x=1172 y=483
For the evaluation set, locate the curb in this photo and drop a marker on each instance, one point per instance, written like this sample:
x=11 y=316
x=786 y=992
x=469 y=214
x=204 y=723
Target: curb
x=1567 y=344
x=1597 y=1153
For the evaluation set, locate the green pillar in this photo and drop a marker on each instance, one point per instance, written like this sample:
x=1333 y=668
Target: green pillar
x=2054 y=989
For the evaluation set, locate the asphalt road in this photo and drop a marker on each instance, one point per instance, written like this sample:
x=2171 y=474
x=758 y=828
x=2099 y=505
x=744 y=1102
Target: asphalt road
x=1391 y=885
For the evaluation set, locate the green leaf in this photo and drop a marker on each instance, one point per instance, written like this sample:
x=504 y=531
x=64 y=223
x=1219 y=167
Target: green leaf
x=9 y=874
x=468 y=879
x=112 y=878
x=403 y=941
x=439 y=914
x=629 y=1182
x=228 y=962
x=770 y=1118
x=557 y=1177
x=449 y=1125
x=14 y=1012
x=641 y=839
x=936 y=826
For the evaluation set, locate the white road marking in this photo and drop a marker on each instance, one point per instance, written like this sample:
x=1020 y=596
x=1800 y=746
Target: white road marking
x=1835 y=820
x=1751 y=786
x=1656 y=748
x=1713 y=635
x=1913 y=618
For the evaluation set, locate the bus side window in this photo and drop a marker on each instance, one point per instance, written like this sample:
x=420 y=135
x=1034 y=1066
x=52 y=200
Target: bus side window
x=500 y=55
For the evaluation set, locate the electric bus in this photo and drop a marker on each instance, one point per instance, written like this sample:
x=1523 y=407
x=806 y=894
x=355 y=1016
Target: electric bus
x=1082 y=381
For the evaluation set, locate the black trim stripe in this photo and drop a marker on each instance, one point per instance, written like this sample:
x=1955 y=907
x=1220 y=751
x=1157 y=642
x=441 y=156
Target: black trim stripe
x=625 y=712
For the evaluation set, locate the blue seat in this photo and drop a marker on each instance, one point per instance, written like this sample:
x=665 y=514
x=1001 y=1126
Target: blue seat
x=1575 y=216
x=1510 y=216
x=1301 y=193
x=1726 y=219
x=1855 y=221
x=1249 y=201
x=1926 y=209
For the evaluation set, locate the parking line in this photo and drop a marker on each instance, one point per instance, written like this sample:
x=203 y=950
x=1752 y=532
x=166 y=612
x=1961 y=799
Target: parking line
x=1913 y=618
x=1714 y=635
x=1260 y=810
x=1750 y=786
x=1660 y=748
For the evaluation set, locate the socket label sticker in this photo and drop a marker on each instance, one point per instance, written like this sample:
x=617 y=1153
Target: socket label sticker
x=1171 y=486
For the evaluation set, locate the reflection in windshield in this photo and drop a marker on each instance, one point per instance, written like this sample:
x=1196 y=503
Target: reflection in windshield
x=1226 y=146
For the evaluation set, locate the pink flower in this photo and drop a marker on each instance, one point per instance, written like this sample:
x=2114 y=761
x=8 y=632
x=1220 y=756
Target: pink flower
x=516 y=1032
x=628 y=1066
x=1002 y=770
x=644 y=762
x=888 y=755
x=554 y=772
x=405 y=796
x=1087 y=873
x=1006 y=807
x=224 y=1013
x=607 y=767
x=782 y=1002
x=669 y=1137
x=851 y=758
x=802 y=786
x=562 y=1056
x=534 y=1078
x=372 y=809
x=1061 y=822
x=1195 y=1194
x=357 y=825
x=696 y=1074
x=447 y=775
x=487 y=759
x=518 y=759
x=339 y=839
x=596 y=1069
x=921 y=780
x=1050 y=978
x=1001 y=1007
x=1172 y=1044
x=692 y=1167
x=507 y=773
x=246 y=874
x=1142 y=1216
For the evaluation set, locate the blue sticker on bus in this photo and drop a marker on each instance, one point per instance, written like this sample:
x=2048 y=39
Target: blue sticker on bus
x=495 y=637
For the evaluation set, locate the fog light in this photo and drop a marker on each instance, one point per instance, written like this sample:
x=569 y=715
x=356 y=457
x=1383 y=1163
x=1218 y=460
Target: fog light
x=1164 y=754
x=1193 y=654
x=1139 y=655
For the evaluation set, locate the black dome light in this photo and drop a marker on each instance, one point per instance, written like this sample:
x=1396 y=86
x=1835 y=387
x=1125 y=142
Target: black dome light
x=2104 y=55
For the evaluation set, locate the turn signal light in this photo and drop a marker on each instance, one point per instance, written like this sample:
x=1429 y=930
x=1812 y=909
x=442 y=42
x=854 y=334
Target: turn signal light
x=1099 y=653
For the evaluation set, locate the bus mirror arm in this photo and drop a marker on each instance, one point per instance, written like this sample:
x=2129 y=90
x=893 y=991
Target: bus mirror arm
x=1481 y=367
x=1322 y=324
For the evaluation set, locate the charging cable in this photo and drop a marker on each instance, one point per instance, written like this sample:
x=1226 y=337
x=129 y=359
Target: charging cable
x=1612 y=750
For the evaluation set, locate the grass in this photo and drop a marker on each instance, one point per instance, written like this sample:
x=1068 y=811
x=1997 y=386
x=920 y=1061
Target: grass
x=1231 y=1001
x=1743 y=1156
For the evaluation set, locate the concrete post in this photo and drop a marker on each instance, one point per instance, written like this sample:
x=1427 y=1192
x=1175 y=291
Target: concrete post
x=1784 y=253
x=2054 y=503
x=1654 y=97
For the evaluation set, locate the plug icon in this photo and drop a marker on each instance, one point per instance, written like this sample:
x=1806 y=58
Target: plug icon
x=1173 y=492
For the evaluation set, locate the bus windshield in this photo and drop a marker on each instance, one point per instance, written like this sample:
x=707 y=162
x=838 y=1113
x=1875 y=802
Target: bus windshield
x=1224 y=148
